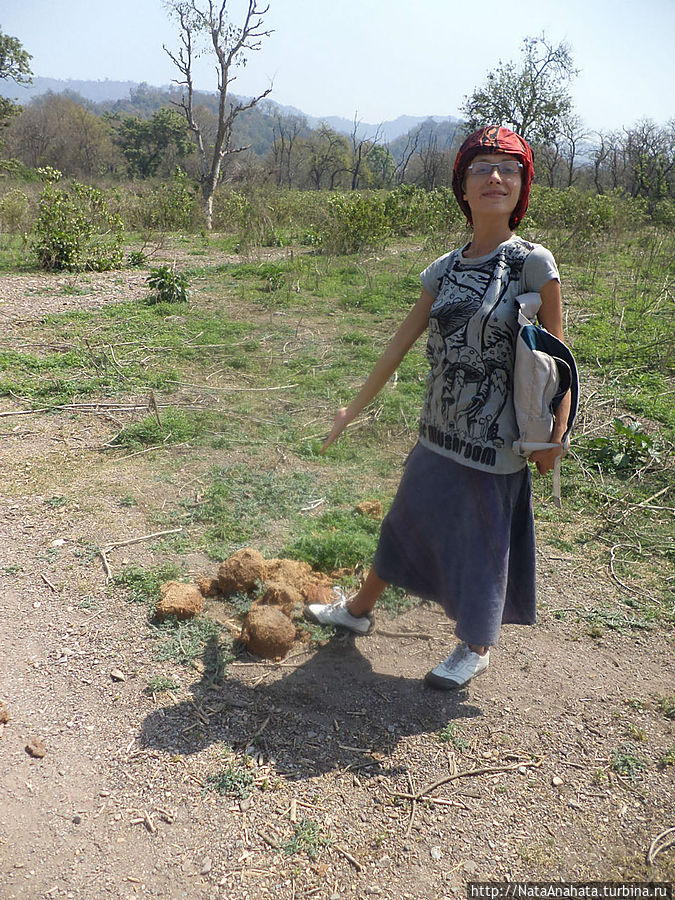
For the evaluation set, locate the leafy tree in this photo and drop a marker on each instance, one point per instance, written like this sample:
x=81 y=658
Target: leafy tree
x=201 y=20
x=14 y=66
x=146 y=143
x=55 y=130
x=14 y=60
x=531 y=97
x=328 y=157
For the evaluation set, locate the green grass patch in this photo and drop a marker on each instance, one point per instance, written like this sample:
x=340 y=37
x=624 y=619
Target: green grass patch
x=451 y=734
x=306 y=838
x=241 y=504
x=182 y=642
x=142 y=585
x=234 y=780
x=173 y=426
x=337 y=539
x=158 y=684
x=626 y=762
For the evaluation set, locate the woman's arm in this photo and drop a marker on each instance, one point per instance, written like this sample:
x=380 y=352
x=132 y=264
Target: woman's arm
x=550 y=316
x=411 y=328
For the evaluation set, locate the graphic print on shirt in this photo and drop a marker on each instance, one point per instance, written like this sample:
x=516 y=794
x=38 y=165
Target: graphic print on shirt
x=468 y=409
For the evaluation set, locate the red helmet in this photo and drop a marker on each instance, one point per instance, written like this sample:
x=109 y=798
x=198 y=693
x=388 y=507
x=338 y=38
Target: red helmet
x=494 y=139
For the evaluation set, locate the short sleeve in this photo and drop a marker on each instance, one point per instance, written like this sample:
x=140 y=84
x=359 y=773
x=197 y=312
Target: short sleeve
x=432 y=276
x=539 y=269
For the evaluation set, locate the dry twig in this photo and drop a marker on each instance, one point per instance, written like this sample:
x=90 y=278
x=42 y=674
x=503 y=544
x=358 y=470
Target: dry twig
x=661 y=842
x=486 y=770
x=103 y=552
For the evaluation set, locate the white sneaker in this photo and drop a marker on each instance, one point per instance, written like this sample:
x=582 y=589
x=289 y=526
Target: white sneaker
x=336 y=613
x=458 y=669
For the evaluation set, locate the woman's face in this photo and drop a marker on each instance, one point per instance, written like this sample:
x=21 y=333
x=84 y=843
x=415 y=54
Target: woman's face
x=494 y=193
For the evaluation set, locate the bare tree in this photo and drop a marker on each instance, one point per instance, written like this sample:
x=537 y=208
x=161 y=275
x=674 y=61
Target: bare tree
x=558 y=157
x=286 y=131
x=362 y=147
x=199 y=19
x=649 y=151
x=412 y=141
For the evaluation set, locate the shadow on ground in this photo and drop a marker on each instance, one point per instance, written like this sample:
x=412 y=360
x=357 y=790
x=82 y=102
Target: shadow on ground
x=331 y=712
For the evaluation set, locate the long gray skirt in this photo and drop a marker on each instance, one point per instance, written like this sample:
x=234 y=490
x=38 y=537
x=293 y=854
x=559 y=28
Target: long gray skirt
x=465 y=539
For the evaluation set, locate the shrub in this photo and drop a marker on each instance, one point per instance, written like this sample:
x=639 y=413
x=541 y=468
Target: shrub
x=172 y=206
x=355 y=222
x=14 y=208
x=624 y=451
x=583 y=211
x=75 y=230
x=168 y=285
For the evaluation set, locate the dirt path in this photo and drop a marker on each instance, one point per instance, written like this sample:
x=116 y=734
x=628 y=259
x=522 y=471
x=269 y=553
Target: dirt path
x=121 y=805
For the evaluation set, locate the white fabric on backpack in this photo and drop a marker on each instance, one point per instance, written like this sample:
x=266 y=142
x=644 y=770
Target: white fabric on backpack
x=544 y=371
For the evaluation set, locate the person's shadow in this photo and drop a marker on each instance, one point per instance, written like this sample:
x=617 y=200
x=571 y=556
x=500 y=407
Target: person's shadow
x=330 y=712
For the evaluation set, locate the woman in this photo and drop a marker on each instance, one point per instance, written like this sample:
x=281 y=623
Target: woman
x=460 y=530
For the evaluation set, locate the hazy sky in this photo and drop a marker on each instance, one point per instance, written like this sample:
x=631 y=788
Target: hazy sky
x=375 y=58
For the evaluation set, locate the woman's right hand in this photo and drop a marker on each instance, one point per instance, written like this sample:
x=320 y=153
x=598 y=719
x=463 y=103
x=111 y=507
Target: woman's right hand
x=339 y=426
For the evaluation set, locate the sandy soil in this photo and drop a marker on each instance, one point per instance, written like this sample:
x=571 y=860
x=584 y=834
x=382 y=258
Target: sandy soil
x=120 y=805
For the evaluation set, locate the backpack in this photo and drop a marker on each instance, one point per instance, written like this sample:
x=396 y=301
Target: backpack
x=544 y=371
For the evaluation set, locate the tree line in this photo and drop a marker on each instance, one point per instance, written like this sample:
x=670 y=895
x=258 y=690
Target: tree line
x=219 y=138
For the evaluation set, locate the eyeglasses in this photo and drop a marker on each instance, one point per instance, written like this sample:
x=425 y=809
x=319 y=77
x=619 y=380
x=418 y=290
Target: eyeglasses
x=487 y=168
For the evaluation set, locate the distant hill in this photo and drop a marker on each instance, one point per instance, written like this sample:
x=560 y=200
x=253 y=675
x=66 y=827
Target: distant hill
x=96 y=91
x=121 y=95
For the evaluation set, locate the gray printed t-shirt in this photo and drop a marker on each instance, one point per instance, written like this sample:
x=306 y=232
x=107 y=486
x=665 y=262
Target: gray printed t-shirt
x=468 y=412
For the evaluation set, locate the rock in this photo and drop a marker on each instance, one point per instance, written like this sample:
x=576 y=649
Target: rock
x=208 y=587
x=556 y=781
x=180 y=600
x=267 y=632
x=117 y=675
x=289 y=571
x=35 y=748
x=4 y=714
x=371 y=508
x=318 y=592
x=207 y=865
x=285 y=597
x=241 y=572
x=436 y=853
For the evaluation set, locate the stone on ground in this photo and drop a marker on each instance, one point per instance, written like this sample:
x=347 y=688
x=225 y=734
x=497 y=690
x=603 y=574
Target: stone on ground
x=208 y=586
x=268 y=632
x=180 y=600
x=371 y=508
x=241 y=572
x=285 y=597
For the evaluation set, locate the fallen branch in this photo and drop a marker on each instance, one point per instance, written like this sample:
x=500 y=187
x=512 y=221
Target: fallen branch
x=405 y=634
x=347 y=855
x=48 y=583
x=622 y=584
x=103 y=552
x=661 y=842
x=487 y=770
x=210 y=387
x=413 y=807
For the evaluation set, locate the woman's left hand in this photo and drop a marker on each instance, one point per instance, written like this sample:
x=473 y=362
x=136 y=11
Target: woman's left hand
x=545 y=459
